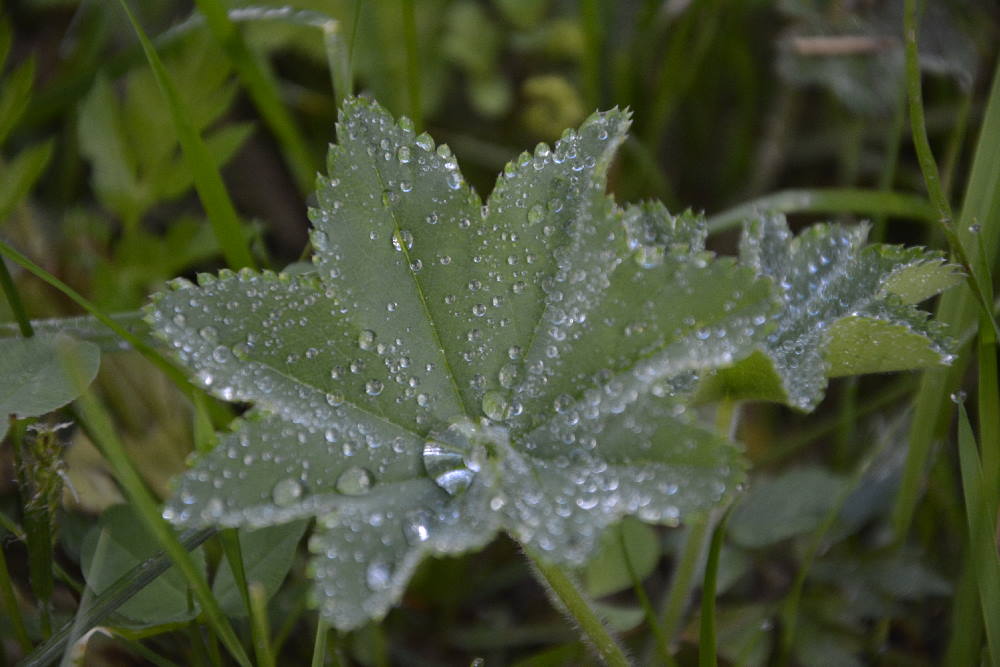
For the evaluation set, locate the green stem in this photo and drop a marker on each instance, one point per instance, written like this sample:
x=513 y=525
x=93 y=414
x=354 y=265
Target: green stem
x=37 y=527
x=569 y=596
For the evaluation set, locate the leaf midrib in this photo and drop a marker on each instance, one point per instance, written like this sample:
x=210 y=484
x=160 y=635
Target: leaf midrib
x=397 y=234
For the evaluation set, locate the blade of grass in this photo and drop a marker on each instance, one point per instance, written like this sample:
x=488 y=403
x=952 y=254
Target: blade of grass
x=827 y=200
x=115 y=596
x=686 y=50
x=662 y=643
x=14 y=299
x=259 y=627
x=10 y=603
x=77 y=629
x=319 y=645
x=958 y=309
x=890 y=162
x=207 y=180
x=413 y=79
x=928 y=166
x=966 y=640
x=981 y=513
x=706 y=635
x=592 y=20
x=147 y=350
x=230 y=540
x=569 y=598
x=989 y=394
x=338 y=58
x=263 y=90
x=97 y=422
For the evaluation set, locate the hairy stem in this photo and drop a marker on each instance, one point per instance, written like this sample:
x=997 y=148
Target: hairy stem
x=567 y=594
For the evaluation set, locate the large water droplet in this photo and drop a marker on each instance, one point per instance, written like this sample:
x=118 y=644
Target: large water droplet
x=649 y=256
x=366 y=339
x=373 y=387
x=508 y=375
x=286 y=492
x=495 y=405
x=355 y=481
x=447 y=468
x=378 y=576
x=417 y=528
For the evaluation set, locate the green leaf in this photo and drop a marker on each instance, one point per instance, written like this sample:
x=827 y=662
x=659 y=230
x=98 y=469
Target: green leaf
x=15 y=96
x=619 y=618
x=35 y=378
x=21 y=175
x=776 y=509
x=608 y=571
x=103 y=141
x=848 y=309
x=118 y=543
x=452 y=369
x=268 y=554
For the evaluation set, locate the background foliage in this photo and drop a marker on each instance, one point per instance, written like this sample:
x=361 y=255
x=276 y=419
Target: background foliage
x=861 y=538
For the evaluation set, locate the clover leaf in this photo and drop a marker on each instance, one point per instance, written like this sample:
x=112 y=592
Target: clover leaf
x=848 y=309
x=452 y=369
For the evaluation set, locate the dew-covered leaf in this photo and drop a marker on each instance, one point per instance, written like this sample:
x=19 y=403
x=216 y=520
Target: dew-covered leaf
x=847 y=309
x=35 y=373
x=452 y=369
